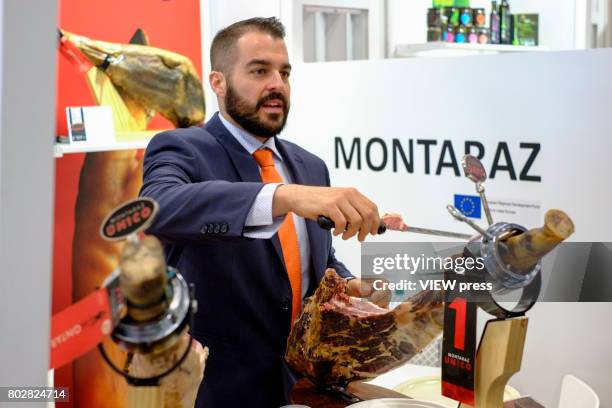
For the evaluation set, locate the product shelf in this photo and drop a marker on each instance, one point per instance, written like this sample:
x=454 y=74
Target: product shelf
x=124 y=141
x=446 y=49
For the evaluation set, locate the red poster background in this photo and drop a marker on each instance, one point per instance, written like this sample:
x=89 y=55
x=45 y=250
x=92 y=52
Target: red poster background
x=170 y=24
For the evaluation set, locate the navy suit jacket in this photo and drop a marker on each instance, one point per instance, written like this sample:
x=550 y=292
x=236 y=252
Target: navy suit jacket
x=205 y=183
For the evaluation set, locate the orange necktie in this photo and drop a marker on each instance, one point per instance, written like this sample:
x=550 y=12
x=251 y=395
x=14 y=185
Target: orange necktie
x=286 y=233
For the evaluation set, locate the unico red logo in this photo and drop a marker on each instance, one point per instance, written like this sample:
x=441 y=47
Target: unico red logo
x=130 y=218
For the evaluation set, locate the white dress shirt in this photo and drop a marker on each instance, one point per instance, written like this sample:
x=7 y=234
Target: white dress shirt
x=259 y=218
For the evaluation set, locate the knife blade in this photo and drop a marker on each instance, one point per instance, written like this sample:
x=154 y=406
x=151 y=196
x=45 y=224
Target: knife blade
x=327 y=223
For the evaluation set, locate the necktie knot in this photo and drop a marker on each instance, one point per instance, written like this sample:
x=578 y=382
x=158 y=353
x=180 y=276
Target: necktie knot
x=264 y=157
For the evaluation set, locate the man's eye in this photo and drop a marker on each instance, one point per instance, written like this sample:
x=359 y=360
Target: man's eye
x=285 y=74
x=259 y=71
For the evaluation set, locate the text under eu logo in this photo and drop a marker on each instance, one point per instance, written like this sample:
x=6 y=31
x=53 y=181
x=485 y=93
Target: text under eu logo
x=469 y=205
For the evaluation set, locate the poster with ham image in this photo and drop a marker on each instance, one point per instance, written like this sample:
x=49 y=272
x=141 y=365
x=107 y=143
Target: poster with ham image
x=89 y=185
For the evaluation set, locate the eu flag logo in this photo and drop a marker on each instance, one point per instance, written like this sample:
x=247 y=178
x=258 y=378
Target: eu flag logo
x=469 y=205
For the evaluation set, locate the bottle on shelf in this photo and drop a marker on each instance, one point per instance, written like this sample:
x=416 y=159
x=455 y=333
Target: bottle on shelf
x=465 y=16
x=494 y=37
x=461 y=34
x=479 y=17
x=505 y=23
x=433 y=17
x=434 y=27
x=450 y=32
x=454 y=16
x=483 y=35
x=472 y=35
x=443 y=25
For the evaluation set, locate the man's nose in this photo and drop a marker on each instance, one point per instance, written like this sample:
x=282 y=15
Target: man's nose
x=276 y=82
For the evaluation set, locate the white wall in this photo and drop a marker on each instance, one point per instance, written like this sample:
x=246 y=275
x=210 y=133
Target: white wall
x=217 y=14
x=225 y=13
x=567 y=338
x=557 y=99
x=27 y=132
x=407 y=20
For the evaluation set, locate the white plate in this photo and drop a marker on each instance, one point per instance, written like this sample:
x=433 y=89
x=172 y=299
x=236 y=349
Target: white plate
x=395 y=403
x=429 y=389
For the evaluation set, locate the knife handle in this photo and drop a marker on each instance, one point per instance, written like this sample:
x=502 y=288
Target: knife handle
x=327 y=223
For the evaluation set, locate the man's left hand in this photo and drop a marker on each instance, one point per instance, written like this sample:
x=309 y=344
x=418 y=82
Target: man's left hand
x=364 y=289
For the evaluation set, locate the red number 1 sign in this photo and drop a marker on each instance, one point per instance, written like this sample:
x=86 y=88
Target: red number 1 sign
x=458 y=348
x=459 y=305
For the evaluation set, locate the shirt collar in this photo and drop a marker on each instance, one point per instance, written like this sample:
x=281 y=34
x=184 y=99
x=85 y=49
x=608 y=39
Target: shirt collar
x=247 y=140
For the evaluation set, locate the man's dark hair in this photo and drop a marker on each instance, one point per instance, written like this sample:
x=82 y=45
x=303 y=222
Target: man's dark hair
x=223 y=48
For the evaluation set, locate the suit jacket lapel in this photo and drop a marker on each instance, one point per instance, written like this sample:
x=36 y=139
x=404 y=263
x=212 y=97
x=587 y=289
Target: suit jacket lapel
x=245 y=164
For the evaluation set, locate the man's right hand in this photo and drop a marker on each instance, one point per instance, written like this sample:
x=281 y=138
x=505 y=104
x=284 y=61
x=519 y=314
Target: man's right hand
x=352 y=212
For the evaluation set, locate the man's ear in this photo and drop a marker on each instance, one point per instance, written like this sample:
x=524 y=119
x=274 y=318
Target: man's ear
x=218 y=83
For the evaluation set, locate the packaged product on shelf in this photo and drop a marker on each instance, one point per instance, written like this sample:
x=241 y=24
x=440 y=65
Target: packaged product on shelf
x=461 y=34
x=433 y=17
x=443 y=3
x=451 y=3
x=465 y=16
x=525 y=29
x=494 y=22
x=453 y=16
x=472 y=35
x=450 y=33
x=434 y=34
x=443 y=25
x=434 y=26
x=479 y=18
x=483 y=35
x=505 y=23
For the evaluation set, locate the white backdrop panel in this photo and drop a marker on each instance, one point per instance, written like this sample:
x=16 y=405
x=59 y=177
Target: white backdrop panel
x=560 y=101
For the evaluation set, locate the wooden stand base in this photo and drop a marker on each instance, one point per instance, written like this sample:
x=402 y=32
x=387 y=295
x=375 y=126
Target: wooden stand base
x=176 y=390
x=151 y=397
x=499 y=357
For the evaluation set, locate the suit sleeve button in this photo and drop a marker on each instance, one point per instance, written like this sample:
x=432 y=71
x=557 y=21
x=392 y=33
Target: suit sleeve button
x=217 y=228
x=224 y=228
x=211 y=228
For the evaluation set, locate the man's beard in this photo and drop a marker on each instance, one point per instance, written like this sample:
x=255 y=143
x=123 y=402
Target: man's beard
x=246 y=115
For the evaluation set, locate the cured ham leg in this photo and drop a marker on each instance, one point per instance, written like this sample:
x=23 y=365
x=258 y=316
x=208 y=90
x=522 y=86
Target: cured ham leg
x=339 y=338
x=157 y=79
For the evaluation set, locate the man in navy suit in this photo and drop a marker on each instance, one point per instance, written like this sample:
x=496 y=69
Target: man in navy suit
x=218 y=220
